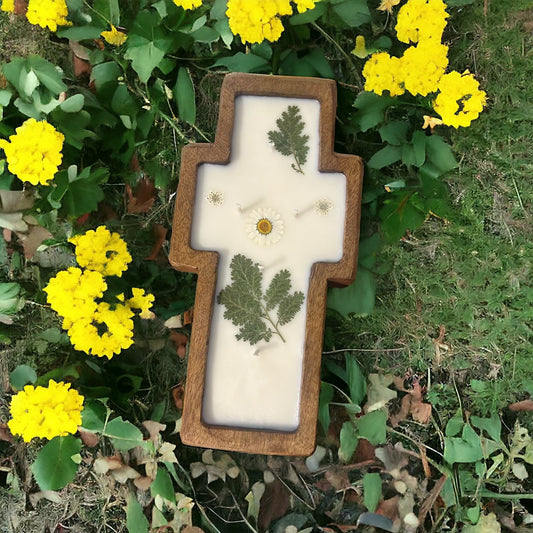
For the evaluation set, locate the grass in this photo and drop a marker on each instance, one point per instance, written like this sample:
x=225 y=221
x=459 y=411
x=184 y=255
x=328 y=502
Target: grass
x=455 y=298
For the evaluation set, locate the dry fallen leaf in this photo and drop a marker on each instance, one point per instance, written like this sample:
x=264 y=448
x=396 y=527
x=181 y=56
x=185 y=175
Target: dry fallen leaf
x=143 y=198
x=524 y=405
x=143 y=482
x=160 y=235
x=88 y=438
x=154 y=429
x=124 y=473
x=177 y=394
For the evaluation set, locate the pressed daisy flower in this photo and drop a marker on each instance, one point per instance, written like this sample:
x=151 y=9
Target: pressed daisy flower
x=264 y=226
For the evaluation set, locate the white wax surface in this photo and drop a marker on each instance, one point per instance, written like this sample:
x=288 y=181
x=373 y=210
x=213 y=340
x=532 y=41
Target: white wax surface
x=242 y=389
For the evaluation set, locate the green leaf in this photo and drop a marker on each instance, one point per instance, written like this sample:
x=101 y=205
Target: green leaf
x=54 y=467
x=147 y=44
x=394 y=132
x=80 y=33
x=357 y=298
x=371 y=108
x=326 y=396
x=310 y=15
x=10 y=301
x=400 y=213
x=355 y=380
x=73 y=104
x=289 y=307
x=93 y=416
x=439 y=154
x=386 y=156
x=5 y=97
x=348 y=442
x=185 y=97
x=50 y=75
x=22 y=375
x=288 y=138
x=162 y=486
x=464 y=449
x=371 y=491
x=223 y=29
x=244 y=305
x=105 y=73
x=241 y=62
x=136 y=522
x=373 y=426
x=492 y=425
x=353 y=12
x=123 y=102
x=82 y=196
x=278 y=289
x=123 y=434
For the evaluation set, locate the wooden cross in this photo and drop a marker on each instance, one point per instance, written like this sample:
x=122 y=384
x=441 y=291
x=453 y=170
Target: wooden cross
x=266 y=216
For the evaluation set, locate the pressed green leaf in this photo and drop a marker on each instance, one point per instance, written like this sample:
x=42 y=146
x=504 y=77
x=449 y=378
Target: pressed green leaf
x=22 y=375
x=373 y=426
x=357 y=298
x=371 y=491
x=254 y=330
x=136 y=522
x=386 y=156
x=162 y=486
x=54 y=467
x=326 y=396
x=288 y=139
x=278 y=289
x=246 y=273
x=348 y=442
x=123 y=434
x=289 y=307
x=185 y=96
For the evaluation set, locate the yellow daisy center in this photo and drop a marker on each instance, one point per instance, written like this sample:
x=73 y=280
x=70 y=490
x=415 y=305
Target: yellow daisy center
x=264 y=226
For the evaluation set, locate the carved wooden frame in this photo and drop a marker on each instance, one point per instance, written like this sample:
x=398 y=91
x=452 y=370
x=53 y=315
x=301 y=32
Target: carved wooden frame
x=194 y=431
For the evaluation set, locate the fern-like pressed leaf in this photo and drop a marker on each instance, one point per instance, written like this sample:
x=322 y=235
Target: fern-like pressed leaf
x=279 y=288
x=289 y=306
x=249 y=309
x=289 y=138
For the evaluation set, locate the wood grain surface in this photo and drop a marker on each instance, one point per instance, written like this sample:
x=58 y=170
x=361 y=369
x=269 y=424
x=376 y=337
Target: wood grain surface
x=194 y=431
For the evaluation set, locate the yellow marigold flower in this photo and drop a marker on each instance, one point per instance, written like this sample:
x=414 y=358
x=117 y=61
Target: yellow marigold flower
x=257 y=21
x=102 y=251
x=48 y=13
x=188 y=4
x=108 y=332
x=460 y=101
x=419 y=20
x=34 y=152
x=114 y=36
x=423 y=66
x=141 y=301
x=383 y=73
x=387 y=5
x=72 y=294
x=45 y=412
x=8 y=5
x=304 y=5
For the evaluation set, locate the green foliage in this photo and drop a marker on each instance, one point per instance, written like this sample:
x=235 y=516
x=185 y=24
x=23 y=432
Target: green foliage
x=372 y=490
x=22 y=375
x=249 y=309
x=57 y=462
x=136 y=522
x=288 y=138
x=10 y=301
